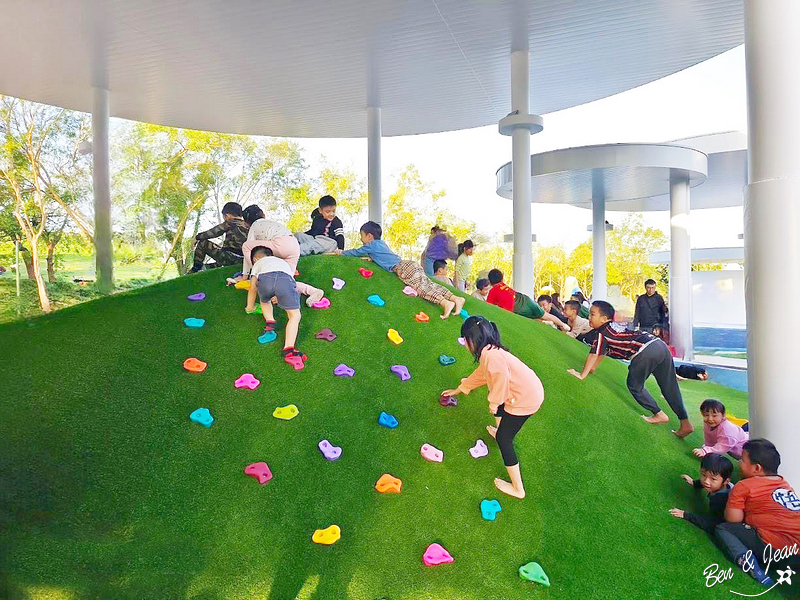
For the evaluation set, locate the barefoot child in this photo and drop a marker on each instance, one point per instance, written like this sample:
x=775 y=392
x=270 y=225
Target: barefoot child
x=515 y=393
x=719 y=434
x=715 y=478
x=648 y=355
x=272 y=277
x=409 y=272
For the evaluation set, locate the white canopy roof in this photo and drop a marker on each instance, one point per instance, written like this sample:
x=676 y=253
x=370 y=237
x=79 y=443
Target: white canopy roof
x=309 y=68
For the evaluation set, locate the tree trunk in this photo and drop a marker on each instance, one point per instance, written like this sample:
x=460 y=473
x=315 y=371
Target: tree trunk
x=51 y=259
x=26 y=258
x=41 y=288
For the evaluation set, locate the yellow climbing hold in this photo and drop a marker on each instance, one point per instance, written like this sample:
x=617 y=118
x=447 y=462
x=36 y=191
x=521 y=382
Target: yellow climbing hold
x=328 y=536
x=242 y=285
x=394 y=337
x=286 y=412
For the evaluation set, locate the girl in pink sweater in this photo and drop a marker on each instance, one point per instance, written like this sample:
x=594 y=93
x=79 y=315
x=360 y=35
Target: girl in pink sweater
x=515 y=393
x=719 y=434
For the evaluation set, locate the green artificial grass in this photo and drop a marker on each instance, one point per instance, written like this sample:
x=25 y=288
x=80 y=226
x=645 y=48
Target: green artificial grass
x=107 y=490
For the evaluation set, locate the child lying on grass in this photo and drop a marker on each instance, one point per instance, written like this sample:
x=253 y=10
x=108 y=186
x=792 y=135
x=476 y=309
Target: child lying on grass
x=715 y=478
x=719 y=434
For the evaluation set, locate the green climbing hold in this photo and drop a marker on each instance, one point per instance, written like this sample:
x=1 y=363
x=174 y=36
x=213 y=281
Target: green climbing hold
x=534 y=572
x=445 y=360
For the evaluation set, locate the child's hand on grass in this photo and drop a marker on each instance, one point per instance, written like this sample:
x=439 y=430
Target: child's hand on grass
x=676 y=512
x=698 y=452
x=688 y=479
x=451 y=393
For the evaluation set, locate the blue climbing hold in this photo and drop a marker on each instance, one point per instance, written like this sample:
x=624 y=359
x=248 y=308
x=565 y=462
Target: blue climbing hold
x=387 y=420
x=464 y=314
x=192 y=322
x=267 y=337
x=202 y=416
x=446 y=359
x=375 y=300
x=489 y=509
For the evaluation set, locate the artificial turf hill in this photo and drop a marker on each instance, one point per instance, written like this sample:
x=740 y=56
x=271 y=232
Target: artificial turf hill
x=107 y=490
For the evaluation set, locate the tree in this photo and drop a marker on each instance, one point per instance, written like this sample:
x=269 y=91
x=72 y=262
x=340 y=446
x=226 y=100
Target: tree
x=629 y=247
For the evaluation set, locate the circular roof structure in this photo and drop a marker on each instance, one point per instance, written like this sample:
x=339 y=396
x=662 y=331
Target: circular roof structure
x=617 y=172
x=308 y=68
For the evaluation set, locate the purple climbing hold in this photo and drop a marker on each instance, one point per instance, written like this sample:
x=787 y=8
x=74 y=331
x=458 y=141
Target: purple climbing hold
x=448 y=400
x=326 y=334
x=197 y=297
x=344 y=371
x=401 y=371
x=329 y=451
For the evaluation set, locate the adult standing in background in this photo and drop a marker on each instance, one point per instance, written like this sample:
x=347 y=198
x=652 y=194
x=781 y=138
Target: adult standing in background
x=441 y=246
x=650 y=308
x=463 y=265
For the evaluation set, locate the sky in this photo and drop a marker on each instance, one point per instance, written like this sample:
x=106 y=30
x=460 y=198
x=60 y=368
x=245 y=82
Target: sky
x=706 y=98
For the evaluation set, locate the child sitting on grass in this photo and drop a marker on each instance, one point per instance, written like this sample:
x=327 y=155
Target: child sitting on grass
x=272 y=277
x=410 y=273
x=762 y=515
x=715 y=478
x=503 y=296
x=515 y=393
x=719 y=434
x=440 y=272
x=234 y=228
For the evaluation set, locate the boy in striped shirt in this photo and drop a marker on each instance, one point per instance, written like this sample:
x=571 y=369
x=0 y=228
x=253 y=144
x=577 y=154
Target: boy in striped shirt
x=648 y=355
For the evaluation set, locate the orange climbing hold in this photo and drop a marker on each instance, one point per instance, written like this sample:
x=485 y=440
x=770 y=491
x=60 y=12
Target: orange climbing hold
x=388 y=484
x=421 y=317
x=194 y=365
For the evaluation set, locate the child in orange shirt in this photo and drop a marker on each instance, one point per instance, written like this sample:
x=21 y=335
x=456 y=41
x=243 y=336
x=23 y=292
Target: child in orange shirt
x=762 y=514
x=515 y=393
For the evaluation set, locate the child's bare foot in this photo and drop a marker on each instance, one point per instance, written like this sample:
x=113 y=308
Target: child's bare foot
x=448 y=308
x=459 y=304
x=656 y=419
x=492 y=430
x=507 y=488
x=685 y=429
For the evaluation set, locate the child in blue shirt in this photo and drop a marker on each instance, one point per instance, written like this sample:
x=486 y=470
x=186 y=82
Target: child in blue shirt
x=409 y=272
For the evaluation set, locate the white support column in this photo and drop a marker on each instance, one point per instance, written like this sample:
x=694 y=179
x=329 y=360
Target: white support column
x=521 y=175
x=374 y=164
x=104 y=254
x=772 y=222
x=599 y=282
x=680 y=267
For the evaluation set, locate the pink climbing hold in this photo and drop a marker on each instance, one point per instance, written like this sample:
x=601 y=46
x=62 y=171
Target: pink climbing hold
x=479 y=449
x=435 y=554
x=326 y=334
x=324 y=303
x=409 y=291
x=247 y=381
x=448 y=400
x=430 y=453
x=462 y=341
x=260 y=471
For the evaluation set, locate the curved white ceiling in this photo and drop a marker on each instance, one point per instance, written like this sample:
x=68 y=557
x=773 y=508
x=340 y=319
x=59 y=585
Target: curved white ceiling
x=306 y=68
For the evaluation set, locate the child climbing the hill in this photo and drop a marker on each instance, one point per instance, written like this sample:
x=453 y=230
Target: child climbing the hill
x=481 y=289
x=234 y=228
x=273 y=277
x=503 y=296
x=715 y=478
x=648 y=355
x=410 y=273
x=515 y=393
x=719 y=434
x=464 y=264
x=762 y=515
x=326 y=233
x=577 y=324
x=440 y=272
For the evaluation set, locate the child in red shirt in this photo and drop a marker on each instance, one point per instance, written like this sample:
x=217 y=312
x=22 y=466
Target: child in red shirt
x=762 y=514
x=505 y=297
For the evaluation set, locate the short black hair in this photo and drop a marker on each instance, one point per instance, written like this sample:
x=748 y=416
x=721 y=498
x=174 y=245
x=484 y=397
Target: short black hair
x=762 y=452
x=717 y=464
x=373 y=229
x=650 y=282
x=495 y=276
x=712 y=405
x=465 y=245
x=439 y=264
x=263 y=249
x=481 y=332
x=574 y=304
x=232 y=208
x=605 y=308
x=327 y=200
x=252 y=214
x=481 y=283
x=545 y=297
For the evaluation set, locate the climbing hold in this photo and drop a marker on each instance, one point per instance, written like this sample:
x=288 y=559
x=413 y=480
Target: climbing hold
x=436 y=555
x=295 y=360
x=256 y=311
x=375 y=300
x=464 y=314
x=296 y=273
x=479 y=449
x=202 y=416
x=534 y=572
x=462 y=341
x=260 y=471
x=401 y=371
x=388 y=484
x=409 y=291
x=326 y=334
x=329 y=451
x=194 y=365
x=286 y=413
x=267 y=337
x=394 y=337
x=327 y=536
x=344 y=371
x=324 y=303
x=422 y=317
x=430 y=453
x=489 y=509
x=247 y=381
x=337 y=283
x=446 y=359
x=192 y=322
x=387 y=420
x=448 y=400
x=365 y=272
x=197 y=297
x=244 y=284
x=736 y=421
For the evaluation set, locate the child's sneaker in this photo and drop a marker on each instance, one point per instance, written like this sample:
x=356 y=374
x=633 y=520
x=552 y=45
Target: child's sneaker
x=754 y=570
x=270 y=326
x=295 y=358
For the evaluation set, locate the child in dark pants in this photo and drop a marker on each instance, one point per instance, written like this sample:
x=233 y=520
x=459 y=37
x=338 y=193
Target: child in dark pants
x=715 y=478
x=515 y=393
x=648 y=356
